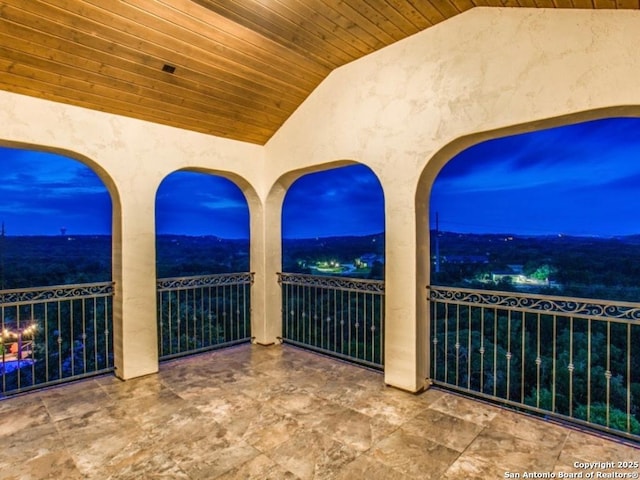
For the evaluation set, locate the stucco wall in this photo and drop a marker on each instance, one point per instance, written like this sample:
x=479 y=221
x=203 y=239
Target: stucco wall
x=132 y=157
x=482 y=70
x=403 y=111
x=489 y=69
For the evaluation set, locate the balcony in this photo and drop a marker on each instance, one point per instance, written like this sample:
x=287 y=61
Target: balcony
x=279 y=412
x=62 y=333
x=376 y=112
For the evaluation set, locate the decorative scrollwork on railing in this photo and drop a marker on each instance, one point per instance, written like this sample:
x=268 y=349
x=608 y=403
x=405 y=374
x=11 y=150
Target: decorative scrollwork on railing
x=222 y=279
x=579 y=307
x=336 y=283
x=56 y=292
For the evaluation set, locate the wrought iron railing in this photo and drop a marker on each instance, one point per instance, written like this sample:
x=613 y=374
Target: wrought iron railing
x=573 y=358
x=54 y=334
x=339 y=316
x=203 y=312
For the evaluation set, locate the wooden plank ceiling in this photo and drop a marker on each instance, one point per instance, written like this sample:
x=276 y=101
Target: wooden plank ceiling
x=241 y=66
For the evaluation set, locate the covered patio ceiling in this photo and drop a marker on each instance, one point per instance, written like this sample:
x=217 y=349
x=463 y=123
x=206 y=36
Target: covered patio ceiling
x=231 y=68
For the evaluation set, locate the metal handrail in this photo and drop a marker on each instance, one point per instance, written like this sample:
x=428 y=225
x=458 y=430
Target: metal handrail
x=596 y=309
x=338 y=283
x=61 y=333
x=23 y=296
x=203 y=312
x=338 y=316
x=565 y=357
x=218 y=279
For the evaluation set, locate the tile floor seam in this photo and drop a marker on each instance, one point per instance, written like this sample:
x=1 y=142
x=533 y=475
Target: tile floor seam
x=462 y=453
x=564 y=443
x=60 y=438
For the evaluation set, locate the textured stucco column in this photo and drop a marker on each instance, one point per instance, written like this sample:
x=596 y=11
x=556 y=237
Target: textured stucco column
x=266 y=316
x=134 y=273
x=266 y=321
x=405 y=345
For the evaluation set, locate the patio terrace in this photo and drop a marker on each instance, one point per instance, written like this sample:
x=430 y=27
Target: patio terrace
x=279 y=412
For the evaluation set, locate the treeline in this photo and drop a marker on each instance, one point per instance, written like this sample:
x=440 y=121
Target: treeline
x=607 y=268
x=38 y=261
x=299 y=254
x=184 y=256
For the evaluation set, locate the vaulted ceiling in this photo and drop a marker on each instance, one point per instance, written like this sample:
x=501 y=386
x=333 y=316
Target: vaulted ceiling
x=232 y=68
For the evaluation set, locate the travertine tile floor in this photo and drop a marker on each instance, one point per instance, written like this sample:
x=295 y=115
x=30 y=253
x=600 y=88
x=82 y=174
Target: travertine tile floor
x=278 y=412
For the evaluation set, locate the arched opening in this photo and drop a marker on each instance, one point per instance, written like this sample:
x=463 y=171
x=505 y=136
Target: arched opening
x=56 y=290
x=202 y=249
x=533 y=276
x=333 y=264
x=543 y=211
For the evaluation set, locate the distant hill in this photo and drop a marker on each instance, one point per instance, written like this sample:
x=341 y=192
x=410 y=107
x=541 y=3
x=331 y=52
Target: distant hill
x=374 y=242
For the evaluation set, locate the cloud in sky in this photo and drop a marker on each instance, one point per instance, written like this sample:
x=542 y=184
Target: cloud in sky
x=581 y=179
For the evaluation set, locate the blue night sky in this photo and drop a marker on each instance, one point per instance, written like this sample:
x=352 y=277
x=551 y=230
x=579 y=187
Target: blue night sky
x=192 y=203
x=343 y=201
x=581 y=179
x=40 y=193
